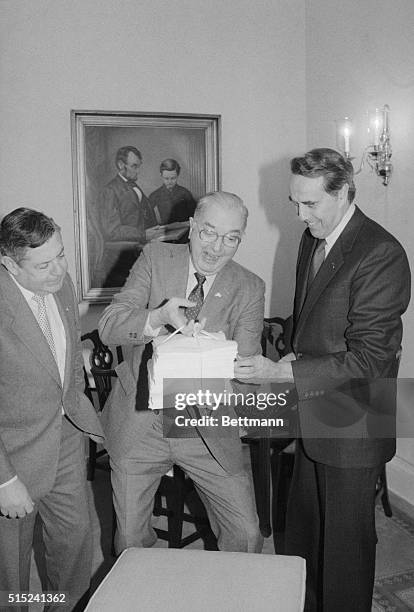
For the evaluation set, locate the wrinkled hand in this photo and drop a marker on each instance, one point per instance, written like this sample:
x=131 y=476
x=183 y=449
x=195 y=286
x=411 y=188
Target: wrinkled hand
x=193 y=328
x=261 y=367
x=15 y=500
x=254 y=367
x=171 y=313
x=153 y=232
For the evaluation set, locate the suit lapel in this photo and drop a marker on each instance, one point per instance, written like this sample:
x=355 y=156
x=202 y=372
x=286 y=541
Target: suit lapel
x=24 y=325
x=328 y=270
x=176 y=262
x=127 y=188
x=307 y=248
x=330 y=267
x=63 y=312
x=219 y=293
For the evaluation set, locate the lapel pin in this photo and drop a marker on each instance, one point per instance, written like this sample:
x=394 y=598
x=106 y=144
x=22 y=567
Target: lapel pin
x=217 y=295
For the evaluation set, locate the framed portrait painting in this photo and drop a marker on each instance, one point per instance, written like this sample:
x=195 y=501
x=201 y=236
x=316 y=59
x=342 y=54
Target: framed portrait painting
x=137 y=177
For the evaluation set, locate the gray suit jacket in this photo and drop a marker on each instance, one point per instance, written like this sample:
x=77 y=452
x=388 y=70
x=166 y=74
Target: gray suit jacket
x=31 y=392
x=234 y=305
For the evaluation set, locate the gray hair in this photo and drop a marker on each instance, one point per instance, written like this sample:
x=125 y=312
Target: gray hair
x=224 y=199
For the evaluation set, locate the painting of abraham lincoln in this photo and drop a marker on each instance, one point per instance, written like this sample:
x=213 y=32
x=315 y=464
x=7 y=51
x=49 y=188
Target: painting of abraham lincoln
x=116 y=165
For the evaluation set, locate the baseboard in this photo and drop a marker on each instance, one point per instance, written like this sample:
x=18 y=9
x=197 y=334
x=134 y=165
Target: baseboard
x=400 y=477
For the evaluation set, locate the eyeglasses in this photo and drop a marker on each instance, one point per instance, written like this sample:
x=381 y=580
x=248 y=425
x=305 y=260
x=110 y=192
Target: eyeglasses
x=229 y=240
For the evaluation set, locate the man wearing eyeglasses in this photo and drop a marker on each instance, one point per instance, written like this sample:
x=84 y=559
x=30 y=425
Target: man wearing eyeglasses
x=175 y=285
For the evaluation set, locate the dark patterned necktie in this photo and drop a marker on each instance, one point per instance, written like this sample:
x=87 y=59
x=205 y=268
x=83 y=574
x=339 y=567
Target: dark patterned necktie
x=197 y=296
x=317 y=261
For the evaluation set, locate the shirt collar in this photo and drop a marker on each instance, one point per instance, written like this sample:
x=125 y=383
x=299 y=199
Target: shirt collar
x=26 y=292
x=334 y=235
x=191 y=271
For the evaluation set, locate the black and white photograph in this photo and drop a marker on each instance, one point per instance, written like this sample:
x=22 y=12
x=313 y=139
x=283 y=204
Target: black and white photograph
x=206 y=313
x=137 y=178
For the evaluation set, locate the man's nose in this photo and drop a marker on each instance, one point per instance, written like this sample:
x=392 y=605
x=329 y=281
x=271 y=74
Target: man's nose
x=303 y=212
x=218 y=244
x=58 y=267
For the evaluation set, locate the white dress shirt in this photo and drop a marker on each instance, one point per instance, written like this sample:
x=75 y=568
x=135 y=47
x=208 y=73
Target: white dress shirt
x=56 y=324
x=334 y=235
x=136 y=188
x=191 y=283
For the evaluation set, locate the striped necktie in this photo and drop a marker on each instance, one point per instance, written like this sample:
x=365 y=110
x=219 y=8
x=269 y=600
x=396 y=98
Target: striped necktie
x=44 y=323
x=197 y=296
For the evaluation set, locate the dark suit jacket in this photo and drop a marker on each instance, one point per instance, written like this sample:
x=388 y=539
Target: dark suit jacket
x=122 y=216
x=234 y=305
x=347 y=334
x=173 y=205
x=31 y=391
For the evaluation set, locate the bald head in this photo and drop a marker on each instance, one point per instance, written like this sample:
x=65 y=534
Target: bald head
x=216 y=231
x=224 y=200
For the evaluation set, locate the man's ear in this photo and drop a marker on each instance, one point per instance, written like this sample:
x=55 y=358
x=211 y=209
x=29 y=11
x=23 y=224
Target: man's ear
x=343 y=192
x=191 y=220
x=10 y=265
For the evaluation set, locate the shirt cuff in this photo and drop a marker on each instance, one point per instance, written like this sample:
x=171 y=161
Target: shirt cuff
x=8 y=482
x=150 y=331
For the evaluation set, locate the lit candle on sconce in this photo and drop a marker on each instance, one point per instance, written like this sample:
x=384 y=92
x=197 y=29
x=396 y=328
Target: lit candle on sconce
x=347 y=136
x=386 y=119
x=378 y=151
x=375 y=126
x=343 y=136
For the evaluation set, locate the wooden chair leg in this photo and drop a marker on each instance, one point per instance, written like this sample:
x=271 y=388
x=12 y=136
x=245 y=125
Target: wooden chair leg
x=282 y=468
x=157 y=504
x=175 y=506
x=178 y=491
x=260 y=460
x=283 y=471
x=383 y=489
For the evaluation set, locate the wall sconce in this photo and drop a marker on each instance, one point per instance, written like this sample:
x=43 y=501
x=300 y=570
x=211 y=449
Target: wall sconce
x=378 y=152
x=344 y=131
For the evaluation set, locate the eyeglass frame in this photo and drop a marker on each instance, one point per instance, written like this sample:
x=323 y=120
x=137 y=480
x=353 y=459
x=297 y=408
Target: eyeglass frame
x=223 y=236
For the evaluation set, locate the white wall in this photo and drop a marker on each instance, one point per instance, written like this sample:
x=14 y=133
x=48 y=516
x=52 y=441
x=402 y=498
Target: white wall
x=243 y=60
x=359 y=55
x=240 y=59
